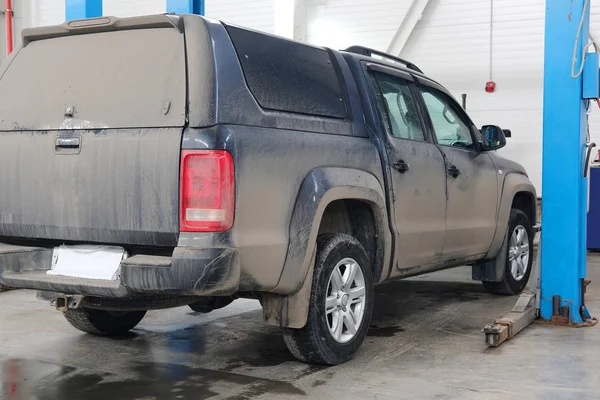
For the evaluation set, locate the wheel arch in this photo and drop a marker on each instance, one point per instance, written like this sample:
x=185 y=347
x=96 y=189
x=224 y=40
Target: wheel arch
x=320 y=194
x=517 y=190
x=326 y=194
x=526 y=202
x=357 y=219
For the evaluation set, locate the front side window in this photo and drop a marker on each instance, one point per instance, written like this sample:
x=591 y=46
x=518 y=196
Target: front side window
x=449 y=126
x=398 y=108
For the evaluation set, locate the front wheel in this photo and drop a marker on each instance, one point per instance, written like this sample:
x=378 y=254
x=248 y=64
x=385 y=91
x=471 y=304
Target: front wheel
x=518 y=256
x=101 y=322
x=340 y=306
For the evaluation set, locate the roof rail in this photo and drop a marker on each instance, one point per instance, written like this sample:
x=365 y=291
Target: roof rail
x=365 y=51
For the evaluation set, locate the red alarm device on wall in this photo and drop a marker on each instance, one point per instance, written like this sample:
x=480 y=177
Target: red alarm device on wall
x=490 y=87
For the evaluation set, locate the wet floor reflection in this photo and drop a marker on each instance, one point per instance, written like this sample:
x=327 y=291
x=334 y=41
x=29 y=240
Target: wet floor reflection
x=149 y=381
x=20 y=379
x=235 y=357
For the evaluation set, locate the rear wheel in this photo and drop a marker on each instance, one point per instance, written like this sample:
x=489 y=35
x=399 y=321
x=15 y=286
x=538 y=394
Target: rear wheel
x=101 y=322
x=340 y=306
x=519 y=256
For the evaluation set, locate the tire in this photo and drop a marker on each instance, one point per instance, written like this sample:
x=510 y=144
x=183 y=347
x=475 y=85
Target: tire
x=208 y=304
x=101 y=322
x=513 y=284
x=315 y=342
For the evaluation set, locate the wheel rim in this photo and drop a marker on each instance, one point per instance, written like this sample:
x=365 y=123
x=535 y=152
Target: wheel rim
x=518 y=252
x=345 y=300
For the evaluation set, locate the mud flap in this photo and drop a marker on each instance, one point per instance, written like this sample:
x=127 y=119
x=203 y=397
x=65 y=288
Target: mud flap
x=289 y=311
x=492 y=270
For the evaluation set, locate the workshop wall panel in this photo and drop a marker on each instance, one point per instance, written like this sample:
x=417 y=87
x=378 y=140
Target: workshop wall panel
x=342 y=23
x=451 y=43
x=131 y=8
x=259 y=15
x=29 y=13
x=46 y=12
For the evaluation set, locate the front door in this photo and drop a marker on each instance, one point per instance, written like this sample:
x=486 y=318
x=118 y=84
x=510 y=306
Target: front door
x=417 y=174
x=471 y=177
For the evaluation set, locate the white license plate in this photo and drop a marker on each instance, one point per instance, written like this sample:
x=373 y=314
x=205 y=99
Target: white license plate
x=87 y=261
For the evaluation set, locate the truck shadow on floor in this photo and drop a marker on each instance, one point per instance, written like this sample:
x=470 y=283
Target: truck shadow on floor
x=403 y=302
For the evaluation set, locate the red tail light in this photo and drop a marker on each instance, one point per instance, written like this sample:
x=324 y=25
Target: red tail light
x=207 y=191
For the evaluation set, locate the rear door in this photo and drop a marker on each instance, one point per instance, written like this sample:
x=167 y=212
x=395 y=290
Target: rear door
x=471 y=176
x=90 y=136
x=418 y=175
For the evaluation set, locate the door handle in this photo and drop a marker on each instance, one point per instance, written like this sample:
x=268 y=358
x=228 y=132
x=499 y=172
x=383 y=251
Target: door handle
x=67 y=145
x=453 y=171
x=401 y=166
x=67 y=142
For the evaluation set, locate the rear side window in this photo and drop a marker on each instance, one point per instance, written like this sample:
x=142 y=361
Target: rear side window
x=287 y=76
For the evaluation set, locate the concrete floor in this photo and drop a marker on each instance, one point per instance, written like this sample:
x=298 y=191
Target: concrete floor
x=424 y=343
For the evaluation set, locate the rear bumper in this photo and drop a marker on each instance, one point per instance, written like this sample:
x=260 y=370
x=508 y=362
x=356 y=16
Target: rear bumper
x=190 y=271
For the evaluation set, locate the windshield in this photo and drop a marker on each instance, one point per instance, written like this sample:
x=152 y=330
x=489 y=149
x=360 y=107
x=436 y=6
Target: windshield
x=120 y=79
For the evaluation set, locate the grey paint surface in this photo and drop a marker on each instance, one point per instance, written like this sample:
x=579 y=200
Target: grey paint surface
x=472 y=203
x=419 y=203
x=122 y=185
x=279 y=197
x=424 y=343
x=118 y=84
x=121 y=188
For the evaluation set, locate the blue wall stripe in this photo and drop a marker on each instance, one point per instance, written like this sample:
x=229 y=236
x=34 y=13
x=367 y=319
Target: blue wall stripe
x=186 y=6
x=78 y=9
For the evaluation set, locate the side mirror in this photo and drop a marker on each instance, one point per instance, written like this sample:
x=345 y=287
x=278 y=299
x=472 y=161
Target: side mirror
x=492 y=138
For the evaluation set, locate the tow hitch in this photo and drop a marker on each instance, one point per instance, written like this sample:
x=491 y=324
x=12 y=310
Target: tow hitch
x=62 y=302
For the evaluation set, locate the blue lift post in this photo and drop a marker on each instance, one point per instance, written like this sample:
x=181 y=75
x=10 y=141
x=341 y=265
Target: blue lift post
x=571 y=80
x=79 y=9
x=564 y=187
x=185 y=6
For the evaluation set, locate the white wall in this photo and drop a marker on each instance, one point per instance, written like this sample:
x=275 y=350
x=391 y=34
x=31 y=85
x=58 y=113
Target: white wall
x=29 y=13
x=342 y=23
x=451 y=43
x=255 y=14
x=132 y=8
x=46 y=12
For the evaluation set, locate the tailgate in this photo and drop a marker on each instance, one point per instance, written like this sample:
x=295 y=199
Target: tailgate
x=90 y=136
x=121 y=188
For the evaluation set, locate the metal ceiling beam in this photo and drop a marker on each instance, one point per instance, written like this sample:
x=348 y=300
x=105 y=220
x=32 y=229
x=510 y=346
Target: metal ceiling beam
x=407 y=26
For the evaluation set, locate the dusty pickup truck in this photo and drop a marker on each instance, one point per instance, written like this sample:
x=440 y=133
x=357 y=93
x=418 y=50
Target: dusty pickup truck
x=164 y=161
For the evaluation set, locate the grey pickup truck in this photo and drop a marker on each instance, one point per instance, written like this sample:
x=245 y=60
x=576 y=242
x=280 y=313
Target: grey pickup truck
x=166 y=160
